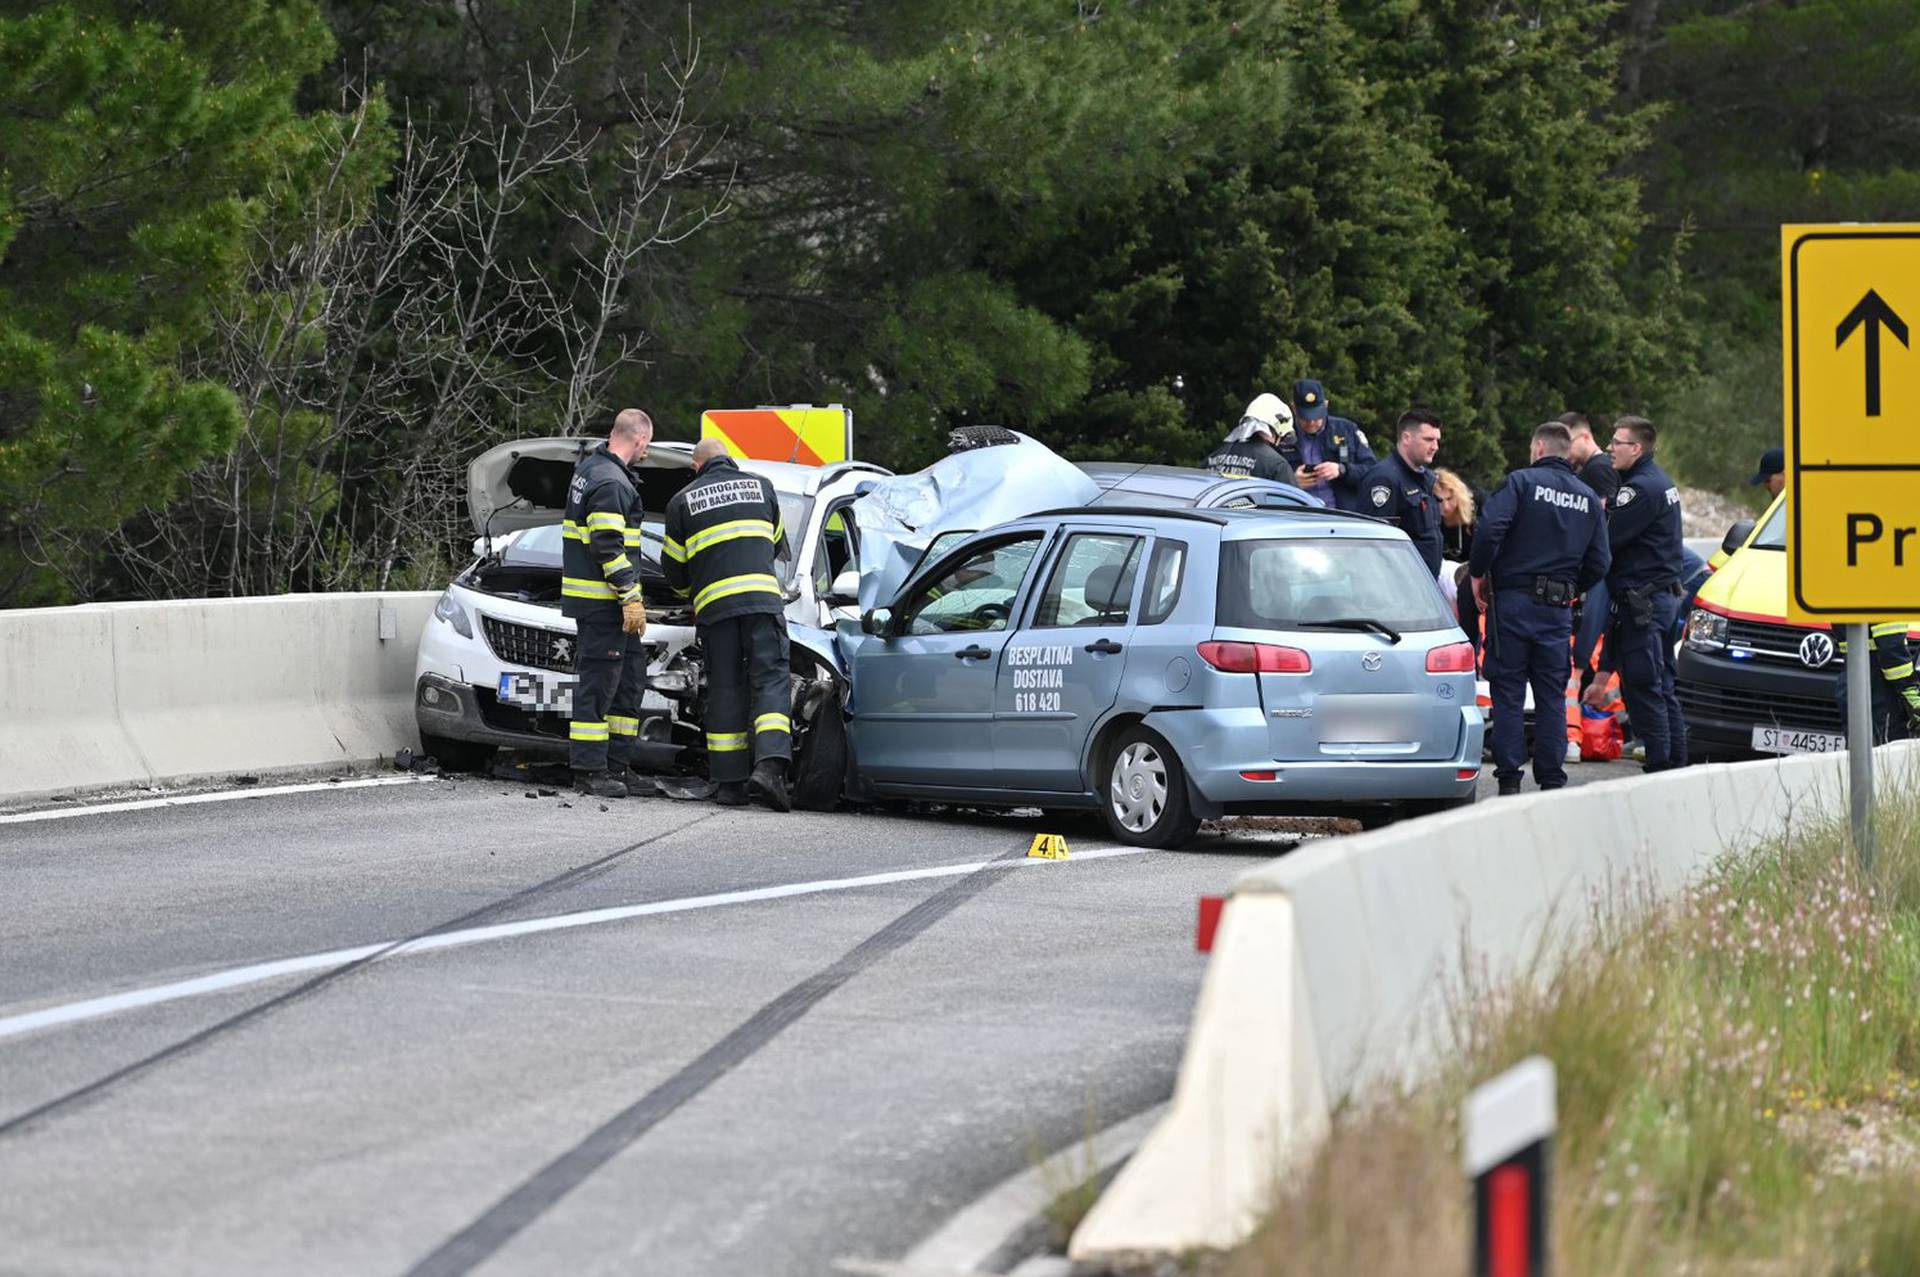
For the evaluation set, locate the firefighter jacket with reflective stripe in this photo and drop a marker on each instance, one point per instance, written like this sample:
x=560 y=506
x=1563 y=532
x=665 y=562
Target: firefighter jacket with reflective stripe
x=723 y=534
x=600 y=537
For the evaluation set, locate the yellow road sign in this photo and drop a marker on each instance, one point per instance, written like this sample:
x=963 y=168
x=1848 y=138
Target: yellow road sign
x=1852 y=389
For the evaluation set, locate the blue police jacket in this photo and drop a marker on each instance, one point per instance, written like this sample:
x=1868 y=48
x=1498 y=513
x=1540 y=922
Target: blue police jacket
x=1543 y=521
x=1644 y=527
x=1403 y=496
x=1339 y=441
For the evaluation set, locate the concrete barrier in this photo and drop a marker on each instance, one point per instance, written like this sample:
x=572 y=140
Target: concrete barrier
x=1333 y=965
x=111 y=694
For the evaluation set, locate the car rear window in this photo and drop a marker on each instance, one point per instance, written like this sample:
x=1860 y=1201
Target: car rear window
x=1280 y=584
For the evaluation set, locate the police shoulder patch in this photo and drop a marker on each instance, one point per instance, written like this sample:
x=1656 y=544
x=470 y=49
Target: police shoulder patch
x=1381 y=494
x=1624 y=497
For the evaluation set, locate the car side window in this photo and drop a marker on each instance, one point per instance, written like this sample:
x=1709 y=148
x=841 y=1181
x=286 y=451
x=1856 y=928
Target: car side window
x=1241 y=502
x=1092 y=581
x=835 y=553
x=1165 y=572
x=974 y=595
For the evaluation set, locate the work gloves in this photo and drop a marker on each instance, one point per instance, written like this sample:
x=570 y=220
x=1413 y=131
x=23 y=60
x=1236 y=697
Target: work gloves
x=633 y=616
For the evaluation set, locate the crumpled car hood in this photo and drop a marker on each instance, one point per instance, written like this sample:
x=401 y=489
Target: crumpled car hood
x=898 y=517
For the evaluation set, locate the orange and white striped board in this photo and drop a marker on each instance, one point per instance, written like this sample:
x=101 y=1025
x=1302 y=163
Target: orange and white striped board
x=800 y=433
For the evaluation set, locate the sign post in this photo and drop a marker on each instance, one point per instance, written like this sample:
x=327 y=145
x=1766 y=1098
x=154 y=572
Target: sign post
x=1852 y=411
x=1506 y=1147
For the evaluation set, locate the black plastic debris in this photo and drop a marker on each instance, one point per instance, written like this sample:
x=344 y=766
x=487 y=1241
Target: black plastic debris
x=548 y=793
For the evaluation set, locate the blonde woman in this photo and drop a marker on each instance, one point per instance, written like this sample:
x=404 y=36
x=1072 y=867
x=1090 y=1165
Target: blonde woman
x=1459 y=508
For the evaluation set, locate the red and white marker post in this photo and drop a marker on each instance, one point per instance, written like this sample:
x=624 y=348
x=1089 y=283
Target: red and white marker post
x=1507 y=1146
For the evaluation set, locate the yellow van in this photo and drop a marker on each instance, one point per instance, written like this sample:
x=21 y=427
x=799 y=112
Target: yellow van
x=1749 y=682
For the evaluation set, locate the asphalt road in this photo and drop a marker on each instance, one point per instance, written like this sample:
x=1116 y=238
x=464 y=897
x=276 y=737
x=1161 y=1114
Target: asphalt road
x=784 y=1042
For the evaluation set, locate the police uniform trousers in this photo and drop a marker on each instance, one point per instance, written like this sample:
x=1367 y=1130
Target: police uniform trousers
x=748 y=697
x=1643 y=655
x=1527 y=644
x=611 y=668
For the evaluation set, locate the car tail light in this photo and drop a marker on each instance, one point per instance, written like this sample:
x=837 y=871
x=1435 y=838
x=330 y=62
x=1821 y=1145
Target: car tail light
x=1453 y=658
x=1255 y=658
x=1467 y=773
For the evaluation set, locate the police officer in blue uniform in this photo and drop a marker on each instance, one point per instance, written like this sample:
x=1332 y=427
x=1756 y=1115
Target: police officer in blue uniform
x=1541 y=544
x=1329 y=455
x=1644 y=591
x=1248 y=450
x=1400 y=489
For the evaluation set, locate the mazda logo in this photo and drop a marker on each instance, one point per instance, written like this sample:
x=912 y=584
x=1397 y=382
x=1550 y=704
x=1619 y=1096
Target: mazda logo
x=1816 y=649
x=1371 y=662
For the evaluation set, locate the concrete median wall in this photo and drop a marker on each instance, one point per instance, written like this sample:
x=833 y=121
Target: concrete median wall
x=1332 y=967
x=113 y=694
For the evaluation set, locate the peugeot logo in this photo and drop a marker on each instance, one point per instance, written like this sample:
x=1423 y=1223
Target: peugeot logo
x=562 y=649
x=1816 y=649
x=1371 y=662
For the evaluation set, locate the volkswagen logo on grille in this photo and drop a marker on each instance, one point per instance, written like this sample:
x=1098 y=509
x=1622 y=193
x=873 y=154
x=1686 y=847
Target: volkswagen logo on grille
x=1371 y=662
x=1816 y=649
x=563 y=649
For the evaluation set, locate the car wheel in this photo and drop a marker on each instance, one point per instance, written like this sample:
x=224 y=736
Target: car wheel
x=457 y=755
x=820 y=767
x=1144 y=797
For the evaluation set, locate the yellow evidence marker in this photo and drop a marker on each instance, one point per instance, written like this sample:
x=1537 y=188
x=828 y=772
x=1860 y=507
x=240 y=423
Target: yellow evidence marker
x=1048 y=847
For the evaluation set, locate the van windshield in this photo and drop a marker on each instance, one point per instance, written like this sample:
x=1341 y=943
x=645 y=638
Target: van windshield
x=1286 y=584
x=1773 y=533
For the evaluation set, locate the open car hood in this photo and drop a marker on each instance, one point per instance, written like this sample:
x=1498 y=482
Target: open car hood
x=966 y=491
x=523 y=484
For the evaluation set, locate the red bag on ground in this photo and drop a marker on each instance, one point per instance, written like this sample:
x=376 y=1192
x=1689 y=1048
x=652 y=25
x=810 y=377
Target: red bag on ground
x=1599 y=736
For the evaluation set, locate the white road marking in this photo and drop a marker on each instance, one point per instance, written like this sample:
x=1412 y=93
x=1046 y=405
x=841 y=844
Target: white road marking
x=239 y=977
x=217 y=796
x=976 y=1233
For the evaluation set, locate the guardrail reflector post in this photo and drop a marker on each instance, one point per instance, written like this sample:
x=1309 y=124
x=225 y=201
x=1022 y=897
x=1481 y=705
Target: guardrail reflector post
x=1507 y=1147
x=1210 y=907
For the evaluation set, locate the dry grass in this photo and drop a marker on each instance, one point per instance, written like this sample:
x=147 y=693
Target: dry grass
x=1739 y=1079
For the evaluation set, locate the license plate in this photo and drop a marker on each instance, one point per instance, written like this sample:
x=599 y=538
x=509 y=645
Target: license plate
x=1781 y=740
x=548 y=693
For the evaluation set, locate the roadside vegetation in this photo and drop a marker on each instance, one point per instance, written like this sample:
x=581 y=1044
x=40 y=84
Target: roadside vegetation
x=281 y=267
x=1739 y=1088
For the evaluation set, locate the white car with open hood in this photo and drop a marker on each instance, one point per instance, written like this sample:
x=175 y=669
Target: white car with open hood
x=495 y=664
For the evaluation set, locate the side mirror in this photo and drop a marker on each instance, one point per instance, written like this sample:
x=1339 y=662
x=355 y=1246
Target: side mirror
x=480 y=547
x=1736 y=536
x=845 y=588
x=877 y=622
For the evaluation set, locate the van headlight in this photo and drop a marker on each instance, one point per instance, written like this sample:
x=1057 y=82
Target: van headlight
x=1706 y=631
x=448 y=609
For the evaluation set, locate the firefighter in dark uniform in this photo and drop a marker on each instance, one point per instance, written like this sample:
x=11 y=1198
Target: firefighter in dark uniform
x=1400 y=489
x=1329 y=455
x=1644 y=591
x=600 y=590
x=1896 y=687
x=1541 y=544
x=1248 y=451
x=722 y=537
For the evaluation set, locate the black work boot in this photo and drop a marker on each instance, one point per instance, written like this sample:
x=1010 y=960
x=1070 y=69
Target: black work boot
x=769 y=784
x=1508 y=788
x=598 y=785
x=731 y=793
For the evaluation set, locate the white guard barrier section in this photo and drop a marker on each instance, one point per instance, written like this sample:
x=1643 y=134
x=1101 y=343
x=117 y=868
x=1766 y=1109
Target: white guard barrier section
x=107 y=694
x=1332 y=967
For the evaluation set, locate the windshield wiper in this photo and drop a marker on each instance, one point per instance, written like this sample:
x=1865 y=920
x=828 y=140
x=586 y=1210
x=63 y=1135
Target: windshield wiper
x=1362 y=624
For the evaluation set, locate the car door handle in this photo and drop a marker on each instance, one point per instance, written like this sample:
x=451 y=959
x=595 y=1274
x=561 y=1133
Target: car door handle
x=1104 y=646
x=974 y=653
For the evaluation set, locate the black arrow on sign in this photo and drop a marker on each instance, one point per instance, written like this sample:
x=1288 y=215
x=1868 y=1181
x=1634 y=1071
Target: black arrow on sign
x=1875 y=314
